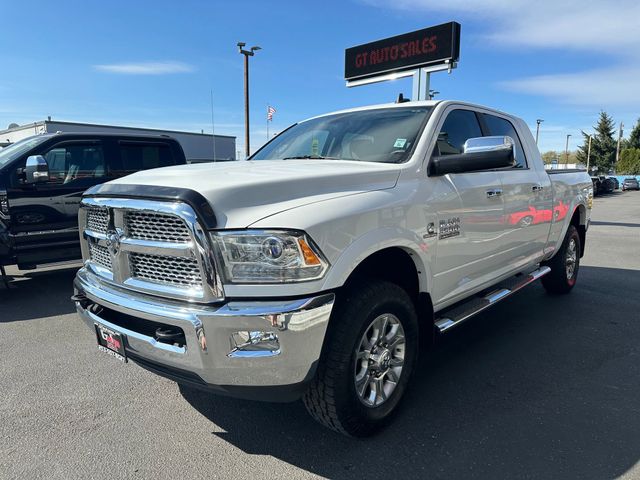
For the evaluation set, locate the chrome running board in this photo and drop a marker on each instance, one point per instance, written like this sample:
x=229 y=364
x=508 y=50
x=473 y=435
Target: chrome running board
x=457 y=314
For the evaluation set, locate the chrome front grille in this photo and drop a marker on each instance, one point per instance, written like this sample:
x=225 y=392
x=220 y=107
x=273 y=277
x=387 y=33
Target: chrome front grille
x=98 y=220
x=153 y=247
x=163 y=269
x=156 y=226
x=100 y=255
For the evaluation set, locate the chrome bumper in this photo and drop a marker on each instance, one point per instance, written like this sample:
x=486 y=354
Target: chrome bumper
x=237 y=344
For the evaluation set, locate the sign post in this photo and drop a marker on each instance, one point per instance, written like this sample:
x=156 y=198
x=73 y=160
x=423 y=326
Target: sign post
x=416 y=54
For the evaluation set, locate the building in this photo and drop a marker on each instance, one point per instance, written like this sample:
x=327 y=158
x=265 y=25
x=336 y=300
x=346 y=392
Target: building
x=198 y=147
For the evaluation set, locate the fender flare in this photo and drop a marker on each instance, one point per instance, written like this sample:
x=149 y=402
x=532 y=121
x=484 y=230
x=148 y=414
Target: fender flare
x=373 y=242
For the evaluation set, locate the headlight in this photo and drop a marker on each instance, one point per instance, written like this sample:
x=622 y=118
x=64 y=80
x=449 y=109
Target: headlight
x=268 y=256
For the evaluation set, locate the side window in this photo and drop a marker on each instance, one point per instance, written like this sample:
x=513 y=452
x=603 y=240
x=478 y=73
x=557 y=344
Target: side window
x=75 y=164
x=136 y=156
x=500 y=126
x=458 y=127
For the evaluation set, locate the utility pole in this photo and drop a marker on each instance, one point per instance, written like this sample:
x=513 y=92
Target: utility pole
x=247 y=54
x=589 y=155
x=538 y=122
x=213 y=129
x=618 y=147
x=566 y=150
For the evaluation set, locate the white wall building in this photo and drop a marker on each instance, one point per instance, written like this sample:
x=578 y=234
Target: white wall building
x=198 y=147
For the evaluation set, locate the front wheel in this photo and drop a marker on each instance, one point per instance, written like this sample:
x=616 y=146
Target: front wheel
x=564 y=264
x=369 y=355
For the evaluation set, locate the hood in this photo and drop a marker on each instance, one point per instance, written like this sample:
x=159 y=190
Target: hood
x=244 y=192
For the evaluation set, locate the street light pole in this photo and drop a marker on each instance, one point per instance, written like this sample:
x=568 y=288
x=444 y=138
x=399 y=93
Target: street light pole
x=538 y=122
x=618 y=147
x=247 y=54
x=566 y=150
x=589 y=155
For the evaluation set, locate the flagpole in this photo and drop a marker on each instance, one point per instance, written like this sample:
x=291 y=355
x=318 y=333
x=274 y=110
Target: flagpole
x=268 y=123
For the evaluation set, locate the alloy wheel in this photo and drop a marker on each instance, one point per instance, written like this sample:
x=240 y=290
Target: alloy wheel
x=379 y=360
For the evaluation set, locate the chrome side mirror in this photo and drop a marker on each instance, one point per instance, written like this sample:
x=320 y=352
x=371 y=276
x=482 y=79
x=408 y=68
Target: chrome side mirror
x=488 y=144
x=36 y=170
x=479 y=154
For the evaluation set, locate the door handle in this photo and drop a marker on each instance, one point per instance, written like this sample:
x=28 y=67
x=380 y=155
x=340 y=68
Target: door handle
x=537 y=188
x=494 y=193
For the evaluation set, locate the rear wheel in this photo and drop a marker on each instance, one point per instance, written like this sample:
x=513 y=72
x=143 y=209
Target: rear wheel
x=564 y=264
x=369 y=354
x=526 y=221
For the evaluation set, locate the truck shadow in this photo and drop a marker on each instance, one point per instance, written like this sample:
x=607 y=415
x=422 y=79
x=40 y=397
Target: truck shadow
x=540 y=387
x=37 y=294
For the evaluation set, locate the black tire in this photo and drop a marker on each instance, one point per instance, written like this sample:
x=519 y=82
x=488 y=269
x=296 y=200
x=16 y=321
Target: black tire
x=560 y=280
x=331 y=398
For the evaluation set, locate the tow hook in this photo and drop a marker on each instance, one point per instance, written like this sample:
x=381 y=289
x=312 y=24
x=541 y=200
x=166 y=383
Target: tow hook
x=82 y=299
x=170 y=335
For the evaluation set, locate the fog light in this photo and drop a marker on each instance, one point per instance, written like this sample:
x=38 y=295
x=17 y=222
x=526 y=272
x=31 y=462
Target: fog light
x=254 y=344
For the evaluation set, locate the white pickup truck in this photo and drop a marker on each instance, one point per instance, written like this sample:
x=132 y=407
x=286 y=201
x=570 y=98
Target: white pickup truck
x=311 y=269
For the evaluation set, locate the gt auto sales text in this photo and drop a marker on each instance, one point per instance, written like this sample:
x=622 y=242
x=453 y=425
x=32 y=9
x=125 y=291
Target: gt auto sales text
x=395 y=52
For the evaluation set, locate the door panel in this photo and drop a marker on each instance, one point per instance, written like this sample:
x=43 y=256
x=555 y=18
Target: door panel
x=471 y=258
x=527 y=199
x=472 y=203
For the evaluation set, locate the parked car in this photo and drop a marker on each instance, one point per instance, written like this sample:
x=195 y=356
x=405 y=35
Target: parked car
x=607 y=184
x=310 y=270
x=42 y=179
x=597 y=186
x=616 y=183
x=630 y=183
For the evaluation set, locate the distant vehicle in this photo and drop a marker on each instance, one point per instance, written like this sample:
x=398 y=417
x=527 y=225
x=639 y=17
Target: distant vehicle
x=597 y=186
x=43 y=177
x=607 y=184
x=630 y=183
x=616 y=183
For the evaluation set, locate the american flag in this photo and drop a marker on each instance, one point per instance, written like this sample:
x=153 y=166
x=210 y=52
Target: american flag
x=270 y=112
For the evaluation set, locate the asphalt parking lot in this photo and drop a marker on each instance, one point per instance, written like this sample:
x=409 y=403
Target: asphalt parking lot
x=538 y=387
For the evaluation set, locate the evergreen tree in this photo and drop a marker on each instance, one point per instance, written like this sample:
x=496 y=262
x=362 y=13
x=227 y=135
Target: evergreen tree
x=629 y=163
x=634 y=137
x=603 y=145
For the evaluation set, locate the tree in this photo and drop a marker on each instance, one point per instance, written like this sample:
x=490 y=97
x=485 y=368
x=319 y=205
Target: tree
x=559 y=157
x=634 y=137
x=550 y=156
x=603 y=145
x=629 y=163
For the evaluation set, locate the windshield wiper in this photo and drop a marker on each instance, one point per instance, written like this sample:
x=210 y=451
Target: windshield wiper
x=311 y=157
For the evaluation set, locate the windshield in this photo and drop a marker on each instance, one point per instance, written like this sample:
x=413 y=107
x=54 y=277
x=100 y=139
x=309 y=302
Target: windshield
x=382 y=135
x=14 y=150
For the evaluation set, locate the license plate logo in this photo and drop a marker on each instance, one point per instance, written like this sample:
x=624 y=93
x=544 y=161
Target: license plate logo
x=110 y=342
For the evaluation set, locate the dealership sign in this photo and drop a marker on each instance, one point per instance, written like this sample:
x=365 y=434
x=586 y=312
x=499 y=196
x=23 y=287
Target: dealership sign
x=431 y=46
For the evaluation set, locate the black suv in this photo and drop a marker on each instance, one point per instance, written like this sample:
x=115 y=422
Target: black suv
x=42 y=179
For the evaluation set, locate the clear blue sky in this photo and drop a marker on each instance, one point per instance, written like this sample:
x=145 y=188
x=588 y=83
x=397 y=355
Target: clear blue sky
x=154 y=63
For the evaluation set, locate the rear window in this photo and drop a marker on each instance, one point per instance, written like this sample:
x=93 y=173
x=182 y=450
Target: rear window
x=500 y=126
x=136 y=156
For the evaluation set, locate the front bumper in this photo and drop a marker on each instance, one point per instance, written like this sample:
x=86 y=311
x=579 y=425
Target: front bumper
x=264 y=350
